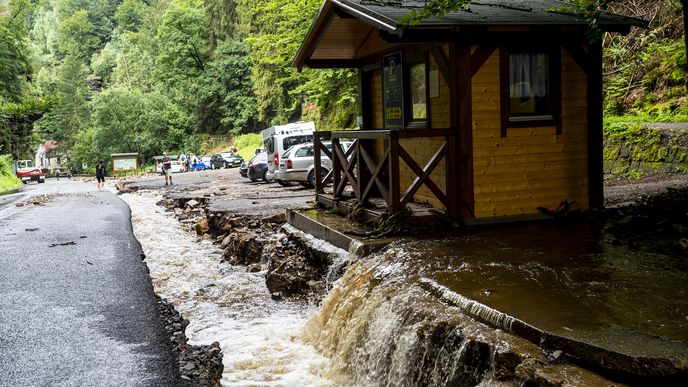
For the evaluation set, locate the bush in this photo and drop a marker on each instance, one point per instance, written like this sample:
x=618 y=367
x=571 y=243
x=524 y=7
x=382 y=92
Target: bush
x=7 y=178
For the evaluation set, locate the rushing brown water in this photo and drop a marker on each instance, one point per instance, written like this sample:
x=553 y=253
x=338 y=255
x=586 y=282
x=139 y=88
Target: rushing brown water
x=384 y=324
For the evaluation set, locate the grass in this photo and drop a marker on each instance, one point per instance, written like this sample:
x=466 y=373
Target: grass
x=246 y=145
x=7 y=178
x=645 y=118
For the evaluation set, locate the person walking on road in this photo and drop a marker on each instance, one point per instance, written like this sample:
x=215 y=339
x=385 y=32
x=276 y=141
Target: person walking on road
x=182 y=161
x=167 y=168
x=100 y=175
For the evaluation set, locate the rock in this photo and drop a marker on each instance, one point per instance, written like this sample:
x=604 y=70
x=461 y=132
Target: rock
x=254 y=268
x=202 y=227
x=19 y=204
x=225 y=241
x=289 y=274
x=207 y=237
x=178 y=211
x=276 y=296
x=276 y=218
x=192 y=203
x=235 y=222
x=244 y=247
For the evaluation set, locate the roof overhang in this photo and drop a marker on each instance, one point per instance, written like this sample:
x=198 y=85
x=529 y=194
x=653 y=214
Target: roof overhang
x=345 y=31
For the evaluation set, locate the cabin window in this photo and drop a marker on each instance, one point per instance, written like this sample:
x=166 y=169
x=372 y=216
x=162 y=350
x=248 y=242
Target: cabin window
x=417 y=82
x=530 y=89
x=529 y=85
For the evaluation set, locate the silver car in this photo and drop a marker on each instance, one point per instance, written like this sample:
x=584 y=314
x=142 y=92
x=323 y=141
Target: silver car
x=297 y=163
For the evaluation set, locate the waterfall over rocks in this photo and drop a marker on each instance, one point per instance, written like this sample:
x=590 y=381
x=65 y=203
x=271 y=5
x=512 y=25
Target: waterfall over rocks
x=379 y=326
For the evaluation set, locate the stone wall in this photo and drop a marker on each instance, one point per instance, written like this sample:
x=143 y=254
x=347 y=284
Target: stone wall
x=645 y=150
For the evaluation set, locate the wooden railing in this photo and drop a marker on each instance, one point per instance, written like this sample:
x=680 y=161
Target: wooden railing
x=354 y=165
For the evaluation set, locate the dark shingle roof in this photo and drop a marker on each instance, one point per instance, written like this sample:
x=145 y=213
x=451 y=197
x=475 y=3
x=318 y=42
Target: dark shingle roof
x=488 y=12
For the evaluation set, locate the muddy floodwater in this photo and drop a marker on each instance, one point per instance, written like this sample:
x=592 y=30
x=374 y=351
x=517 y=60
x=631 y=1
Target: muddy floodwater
x=386 y=323
x=566 y=280
x=260 y=338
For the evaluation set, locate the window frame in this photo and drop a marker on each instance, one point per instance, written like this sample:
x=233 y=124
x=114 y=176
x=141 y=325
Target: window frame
x=554 y=93
x=410 y=122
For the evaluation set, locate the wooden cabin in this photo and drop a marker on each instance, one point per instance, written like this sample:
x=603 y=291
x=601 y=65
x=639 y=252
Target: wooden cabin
x=490 y=112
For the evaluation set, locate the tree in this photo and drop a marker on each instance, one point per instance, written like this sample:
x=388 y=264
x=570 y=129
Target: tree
x=226 y=93
x=684 y=5
x=130 y=15
x=78 y=36
x=13 y=61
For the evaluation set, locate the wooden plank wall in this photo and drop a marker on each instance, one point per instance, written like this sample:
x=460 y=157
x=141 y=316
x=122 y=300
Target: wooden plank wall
x=530 y=167
x=422 y=149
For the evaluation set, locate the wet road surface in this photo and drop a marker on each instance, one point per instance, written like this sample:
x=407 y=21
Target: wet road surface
x=77 y=305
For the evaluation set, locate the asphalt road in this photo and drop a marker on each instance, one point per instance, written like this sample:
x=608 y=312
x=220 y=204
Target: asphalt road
x=77 y=305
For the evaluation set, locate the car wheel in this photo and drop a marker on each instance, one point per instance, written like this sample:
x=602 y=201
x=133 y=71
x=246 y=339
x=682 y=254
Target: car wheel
x=283 y=183
x=265 y=176
x=41 y=179
x=311 y=177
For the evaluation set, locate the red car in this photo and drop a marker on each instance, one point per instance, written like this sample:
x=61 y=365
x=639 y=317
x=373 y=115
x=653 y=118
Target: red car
x=27 y=172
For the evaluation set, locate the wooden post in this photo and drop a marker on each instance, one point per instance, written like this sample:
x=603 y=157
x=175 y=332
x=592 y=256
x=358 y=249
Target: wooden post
x=464 y=120
x=452 y=170
x=336 y=169
x=393 y=171
x=317 y=144
x=595 y=144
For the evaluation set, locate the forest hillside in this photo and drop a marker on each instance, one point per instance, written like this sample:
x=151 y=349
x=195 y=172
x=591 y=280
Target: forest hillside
x=109 y=76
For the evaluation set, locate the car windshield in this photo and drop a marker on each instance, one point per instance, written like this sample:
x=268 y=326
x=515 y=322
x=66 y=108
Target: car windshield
x=25 y=164
x=228 y=154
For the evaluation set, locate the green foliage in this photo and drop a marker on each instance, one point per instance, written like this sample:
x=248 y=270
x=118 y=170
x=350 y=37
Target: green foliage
x=16 y=124
x=654 y=85
x=274 y=31
x=77 y=36
x=433 y=8
x=8 y=180
x=13 y=60
x=130 y=15
x=247 y=144
x=226 y=90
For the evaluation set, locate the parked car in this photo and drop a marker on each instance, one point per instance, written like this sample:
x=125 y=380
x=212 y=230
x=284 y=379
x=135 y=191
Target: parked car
x=175 y=166
x=277 y=139
x=258 y=167
x=243 y=169
x=216 y=161
x=27 y=172
x=206 y=161
x=231 y=159
x=297 y=164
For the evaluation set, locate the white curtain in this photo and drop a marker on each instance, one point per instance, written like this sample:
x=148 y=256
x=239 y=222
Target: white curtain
x=528 y=75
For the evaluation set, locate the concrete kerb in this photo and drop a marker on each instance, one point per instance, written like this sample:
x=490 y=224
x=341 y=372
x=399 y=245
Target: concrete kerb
x=358 y=247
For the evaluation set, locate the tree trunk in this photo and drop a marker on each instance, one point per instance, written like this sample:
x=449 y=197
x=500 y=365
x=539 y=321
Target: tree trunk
x=684 y=3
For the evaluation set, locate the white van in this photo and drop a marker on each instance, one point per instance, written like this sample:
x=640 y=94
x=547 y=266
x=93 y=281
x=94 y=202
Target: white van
x=279 y=138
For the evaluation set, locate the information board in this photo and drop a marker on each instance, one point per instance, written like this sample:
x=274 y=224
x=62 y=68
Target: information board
x=124 y=164
x=393 y=86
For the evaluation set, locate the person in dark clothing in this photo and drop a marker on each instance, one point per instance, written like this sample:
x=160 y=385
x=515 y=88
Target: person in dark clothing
x=167 y=168
x=100 y=175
